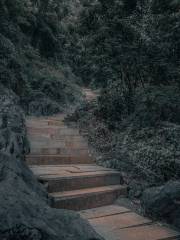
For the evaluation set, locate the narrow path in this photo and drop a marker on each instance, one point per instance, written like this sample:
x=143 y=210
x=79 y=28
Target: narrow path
x=61 y=161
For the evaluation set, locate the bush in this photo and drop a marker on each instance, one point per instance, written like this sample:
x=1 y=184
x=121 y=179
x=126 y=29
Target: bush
x=160 y=6
x=157 y=104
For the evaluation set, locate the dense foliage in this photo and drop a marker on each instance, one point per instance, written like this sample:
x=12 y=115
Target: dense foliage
x=131 y=50
x=129 y=41
x=32 y=55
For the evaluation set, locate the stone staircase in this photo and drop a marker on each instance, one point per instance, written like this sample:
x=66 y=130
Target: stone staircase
x=60 y=160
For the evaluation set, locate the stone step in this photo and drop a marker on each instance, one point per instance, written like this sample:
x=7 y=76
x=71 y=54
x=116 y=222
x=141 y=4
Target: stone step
x=55 y=122
x=72 y=138
x=90 y=96
x=53 y=131
x=88 y=198
x=115 y=222
x=60 y=116
x=40 y=125
x=57 y=117
x=46 y=143
x=111 y=223
x=41 y=131
x=148 y=232
x=62 y=138
x=60 y=151
x=104 y=211
x=57 y=159
x=73 y=181
x=70 y=168
x=45 y=122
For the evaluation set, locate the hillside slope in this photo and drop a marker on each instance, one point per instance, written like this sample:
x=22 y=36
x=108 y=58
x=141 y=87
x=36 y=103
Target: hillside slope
x=32 y=56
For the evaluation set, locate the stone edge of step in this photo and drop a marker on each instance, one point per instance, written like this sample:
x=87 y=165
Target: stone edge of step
x=84 y=192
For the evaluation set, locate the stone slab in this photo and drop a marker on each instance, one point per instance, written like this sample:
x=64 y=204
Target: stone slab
x=103 y=211
x=114 y=222
x=148 y=232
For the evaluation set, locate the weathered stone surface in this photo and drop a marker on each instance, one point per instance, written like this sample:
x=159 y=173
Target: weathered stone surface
x=163 y=202
x=88 y=197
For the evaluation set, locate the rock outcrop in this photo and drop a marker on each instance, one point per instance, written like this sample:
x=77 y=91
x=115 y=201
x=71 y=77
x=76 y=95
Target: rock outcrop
x=163 y=202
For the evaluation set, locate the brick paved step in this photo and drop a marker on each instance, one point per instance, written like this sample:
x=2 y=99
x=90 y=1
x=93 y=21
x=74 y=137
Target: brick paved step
x=74 y=181
x=88 y=198
x=57 y=159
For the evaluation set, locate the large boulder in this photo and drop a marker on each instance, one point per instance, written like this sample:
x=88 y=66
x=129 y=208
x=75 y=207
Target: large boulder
x=163 y=202
x=25 y=213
